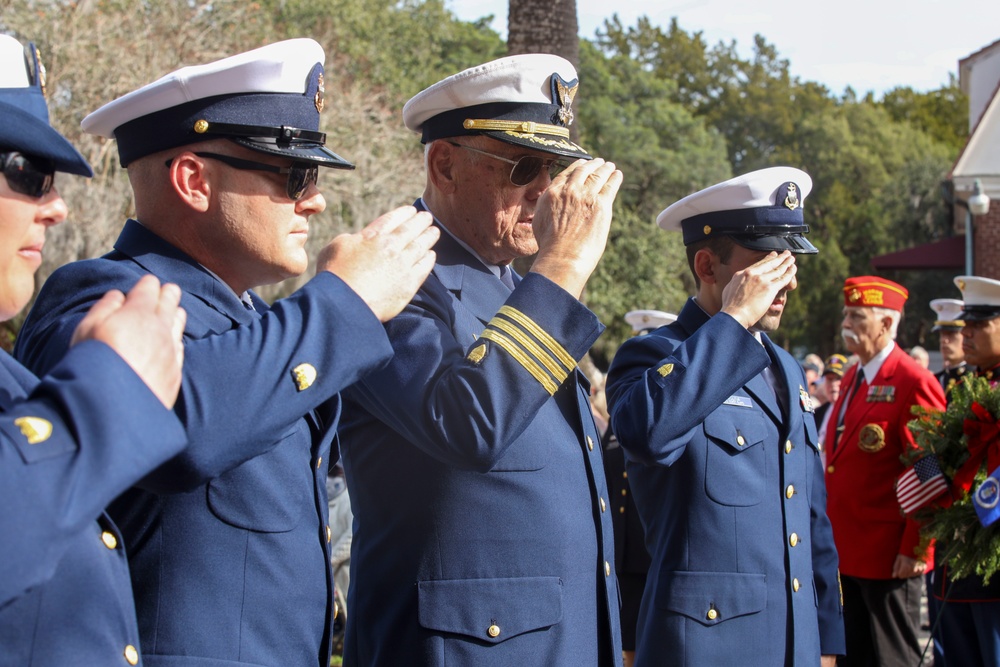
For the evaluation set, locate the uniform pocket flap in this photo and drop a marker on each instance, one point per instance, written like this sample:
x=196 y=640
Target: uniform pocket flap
x=737 y=428
x=712 y=597
x=492 y=610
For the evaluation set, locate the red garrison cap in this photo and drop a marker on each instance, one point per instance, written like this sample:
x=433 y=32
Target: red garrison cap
x=874 y=291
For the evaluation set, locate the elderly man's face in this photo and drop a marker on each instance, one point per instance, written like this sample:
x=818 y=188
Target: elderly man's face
x=23 y=223
x=981 y=343
x=862 y=329
x=494 y=216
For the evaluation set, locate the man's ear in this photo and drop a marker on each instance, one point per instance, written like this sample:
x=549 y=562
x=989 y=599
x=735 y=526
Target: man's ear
x=441 y=166
x=705 y=264
x=189 y=179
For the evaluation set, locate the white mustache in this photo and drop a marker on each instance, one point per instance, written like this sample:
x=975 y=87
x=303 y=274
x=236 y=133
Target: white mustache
x=849 y=335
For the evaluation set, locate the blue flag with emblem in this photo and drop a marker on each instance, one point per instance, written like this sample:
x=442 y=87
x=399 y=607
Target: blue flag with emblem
x=986 y=499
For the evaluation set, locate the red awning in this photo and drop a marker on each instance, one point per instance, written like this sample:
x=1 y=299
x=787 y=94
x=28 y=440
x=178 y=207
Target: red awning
x=947 y=253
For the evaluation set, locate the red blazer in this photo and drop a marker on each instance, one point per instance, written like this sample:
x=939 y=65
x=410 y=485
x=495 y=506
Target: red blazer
x=861 y=470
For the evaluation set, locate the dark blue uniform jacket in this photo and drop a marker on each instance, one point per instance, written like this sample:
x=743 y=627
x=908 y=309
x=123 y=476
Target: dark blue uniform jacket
x=69 y=444
x=482 y=523
x=228 y=542
x=728 y=482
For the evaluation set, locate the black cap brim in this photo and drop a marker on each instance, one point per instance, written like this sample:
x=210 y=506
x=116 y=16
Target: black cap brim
x=304 y=152
x=979 y=313
x=796 y=243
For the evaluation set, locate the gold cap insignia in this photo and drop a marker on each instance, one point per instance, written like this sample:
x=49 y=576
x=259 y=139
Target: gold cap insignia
x=872 y=438
x=320 y=100
x=477 y=353
x=201 y=126
x=961 y=284
x=707 y=230
x=305 y=375
x=854 y=295
x=566 y=94
x=665 y=369
x=792 y=198
x=35 y=429
x=874 y=297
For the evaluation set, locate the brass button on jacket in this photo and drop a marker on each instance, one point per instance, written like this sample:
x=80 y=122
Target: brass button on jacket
x=493 y=631
x=712 y=615
x=131 y=655
x=109 y=539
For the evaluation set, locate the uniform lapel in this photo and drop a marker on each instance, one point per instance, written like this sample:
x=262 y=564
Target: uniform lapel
x=761 y=390
x=468 y=279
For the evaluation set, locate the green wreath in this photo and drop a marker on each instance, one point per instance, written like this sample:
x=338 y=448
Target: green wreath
x=962 y=541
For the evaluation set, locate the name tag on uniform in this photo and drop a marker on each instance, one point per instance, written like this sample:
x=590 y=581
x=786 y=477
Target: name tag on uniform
x=739 y=401
x=878 y=393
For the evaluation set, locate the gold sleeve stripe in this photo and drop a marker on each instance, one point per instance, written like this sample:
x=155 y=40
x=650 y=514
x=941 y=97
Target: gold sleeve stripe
x=543 y=337
x=531 y=346
x=520 y=357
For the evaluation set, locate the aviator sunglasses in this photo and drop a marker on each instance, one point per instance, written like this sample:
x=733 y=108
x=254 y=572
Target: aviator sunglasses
x=300 y=174
x=526 y=168
x=25 y=176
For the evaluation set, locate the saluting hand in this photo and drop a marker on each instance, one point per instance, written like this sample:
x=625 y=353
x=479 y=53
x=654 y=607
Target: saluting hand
x=387 y=261
x=572 y=221
x=752 y=291
x=145 y=328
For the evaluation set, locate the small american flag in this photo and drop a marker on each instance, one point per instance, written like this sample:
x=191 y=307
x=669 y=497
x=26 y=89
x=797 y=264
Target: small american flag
x=920 y=485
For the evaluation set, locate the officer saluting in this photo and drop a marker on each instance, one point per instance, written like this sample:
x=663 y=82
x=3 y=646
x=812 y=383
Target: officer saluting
x=229 y=545
x=720 y=439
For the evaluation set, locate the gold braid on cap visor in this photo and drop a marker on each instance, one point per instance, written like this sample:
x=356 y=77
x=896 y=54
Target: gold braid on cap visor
x=526 y=126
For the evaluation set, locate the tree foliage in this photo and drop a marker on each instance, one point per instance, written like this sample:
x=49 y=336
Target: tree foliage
x=675 y=113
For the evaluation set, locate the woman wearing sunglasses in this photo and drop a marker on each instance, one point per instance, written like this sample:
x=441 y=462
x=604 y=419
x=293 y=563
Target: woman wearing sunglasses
x=73 y=440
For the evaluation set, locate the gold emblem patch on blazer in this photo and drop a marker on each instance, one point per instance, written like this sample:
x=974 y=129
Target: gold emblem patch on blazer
x=477 y=353
x=665 y=369
x=35 y=429
x=305 y=375
x=872 y=438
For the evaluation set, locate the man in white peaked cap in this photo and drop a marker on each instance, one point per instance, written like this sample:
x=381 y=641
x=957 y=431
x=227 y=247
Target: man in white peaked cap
x=644 y=321
x=948 y=324
x=721 y=448
x=473 y=460
x=228 y=543
x=73 y=439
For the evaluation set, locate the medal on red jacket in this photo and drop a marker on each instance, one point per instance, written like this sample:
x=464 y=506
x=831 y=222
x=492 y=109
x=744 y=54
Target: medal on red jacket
x=872 y=438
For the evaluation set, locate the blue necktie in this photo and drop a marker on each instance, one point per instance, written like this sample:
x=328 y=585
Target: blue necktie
x=507 y=277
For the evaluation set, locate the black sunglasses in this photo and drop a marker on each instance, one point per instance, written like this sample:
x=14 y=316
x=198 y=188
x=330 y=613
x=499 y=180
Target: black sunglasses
x=27 y=177
x=526 y=168
x=300 y=174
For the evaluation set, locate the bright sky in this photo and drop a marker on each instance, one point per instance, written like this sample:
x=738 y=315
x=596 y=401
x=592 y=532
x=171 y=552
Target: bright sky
x=870 y=45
